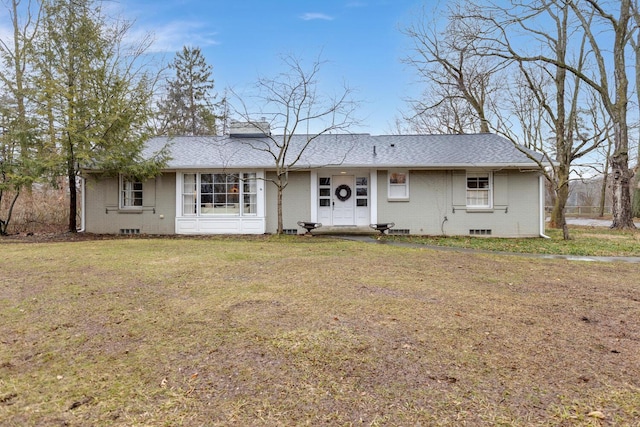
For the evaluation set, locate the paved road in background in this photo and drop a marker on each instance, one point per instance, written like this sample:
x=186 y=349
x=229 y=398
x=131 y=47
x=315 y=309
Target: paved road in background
x=591 y=222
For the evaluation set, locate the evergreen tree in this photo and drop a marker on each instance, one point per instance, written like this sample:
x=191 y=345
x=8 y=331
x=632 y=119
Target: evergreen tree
x=21 y=160
x=188 y=108
x=95 y=101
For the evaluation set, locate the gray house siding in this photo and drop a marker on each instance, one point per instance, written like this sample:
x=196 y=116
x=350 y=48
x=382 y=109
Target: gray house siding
x=437 y=205
x=296 y=202
x=104 y=216
x=515 y=207
x=426 y=207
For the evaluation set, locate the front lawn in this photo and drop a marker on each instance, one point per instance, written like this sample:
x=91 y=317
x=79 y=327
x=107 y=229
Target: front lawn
x=312 y=331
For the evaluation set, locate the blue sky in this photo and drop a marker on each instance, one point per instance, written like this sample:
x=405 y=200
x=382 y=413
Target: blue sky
x=244 y=39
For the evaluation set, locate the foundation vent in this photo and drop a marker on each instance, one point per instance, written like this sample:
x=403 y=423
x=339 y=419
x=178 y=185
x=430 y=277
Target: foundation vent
x=129 y=231
x=291 y=231
x=480 y=232
x=398 y=231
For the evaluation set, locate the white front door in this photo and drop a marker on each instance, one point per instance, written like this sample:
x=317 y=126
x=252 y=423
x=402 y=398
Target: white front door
x=343 y=200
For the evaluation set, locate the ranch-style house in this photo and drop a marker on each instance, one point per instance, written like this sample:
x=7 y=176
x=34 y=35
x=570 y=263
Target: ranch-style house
x=474 y=184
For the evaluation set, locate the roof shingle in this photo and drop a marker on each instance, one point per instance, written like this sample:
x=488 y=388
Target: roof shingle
x=347 y=150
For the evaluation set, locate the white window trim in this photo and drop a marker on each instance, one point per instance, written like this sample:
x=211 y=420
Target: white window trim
x=121 y=190
x=373 y=189
x=406 y=185
x=490 y=190
x=315 y=183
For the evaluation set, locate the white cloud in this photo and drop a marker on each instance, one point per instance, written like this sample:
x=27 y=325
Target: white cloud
x=310 y=16
x=6 y=34
x=171 y=36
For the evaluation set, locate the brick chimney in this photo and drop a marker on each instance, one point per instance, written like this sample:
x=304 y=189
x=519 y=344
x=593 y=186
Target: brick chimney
x=249 y=129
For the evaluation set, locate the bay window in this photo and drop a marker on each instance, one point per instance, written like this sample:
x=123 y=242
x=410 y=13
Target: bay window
x=219 y=194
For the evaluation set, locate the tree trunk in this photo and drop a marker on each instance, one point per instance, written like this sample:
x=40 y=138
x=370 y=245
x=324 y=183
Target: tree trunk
x=4 y=224
x=605 y=178
x=73 y=199
x=280 y=227
x=603 y=189
x=621 y=174
x=635 y=210
x=565 y=231
x=558 y=219
x=621 y=186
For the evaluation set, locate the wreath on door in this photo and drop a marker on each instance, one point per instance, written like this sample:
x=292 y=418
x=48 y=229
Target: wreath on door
x=343 y=192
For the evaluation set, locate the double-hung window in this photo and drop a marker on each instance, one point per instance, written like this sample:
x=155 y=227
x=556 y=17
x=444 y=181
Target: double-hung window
x=398 y=185
x=130 y=193
x=479 y=190
x=219 y=194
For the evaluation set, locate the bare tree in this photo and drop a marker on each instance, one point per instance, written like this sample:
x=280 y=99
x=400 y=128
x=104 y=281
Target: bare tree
x=461 y=81
x=291 y=104
x=607 y=78
x=463 y=63
x=635 y=44
x=615 y=99
x=559 y=84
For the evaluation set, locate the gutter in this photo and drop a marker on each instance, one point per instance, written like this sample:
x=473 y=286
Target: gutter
x=541 y=201
x=306 y=166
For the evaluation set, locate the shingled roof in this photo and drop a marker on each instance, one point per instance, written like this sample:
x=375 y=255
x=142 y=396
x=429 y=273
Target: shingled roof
x=349 y=150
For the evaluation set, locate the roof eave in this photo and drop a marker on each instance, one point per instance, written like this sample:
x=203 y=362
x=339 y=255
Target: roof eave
x=528 y=165
x=367 y=166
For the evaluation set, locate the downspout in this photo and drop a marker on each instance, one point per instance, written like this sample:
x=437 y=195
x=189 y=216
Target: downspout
x=542 y=212
x=314 y=196
x=83 y=204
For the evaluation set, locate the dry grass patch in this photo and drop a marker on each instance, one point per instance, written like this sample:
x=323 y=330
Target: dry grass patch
x=299 y=331
x=633 y=236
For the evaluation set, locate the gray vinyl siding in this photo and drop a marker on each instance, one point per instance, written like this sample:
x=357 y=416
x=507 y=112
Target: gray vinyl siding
x=437 y=204
x=103 y=215
x=296 y=202
x=428 y=202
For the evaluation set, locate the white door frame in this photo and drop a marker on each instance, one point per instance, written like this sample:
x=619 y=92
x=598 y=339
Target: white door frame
x=326 y=217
